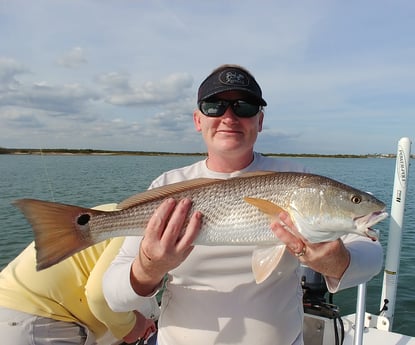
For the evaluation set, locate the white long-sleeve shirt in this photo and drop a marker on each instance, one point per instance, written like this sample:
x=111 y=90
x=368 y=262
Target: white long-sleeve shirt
x=212 y=298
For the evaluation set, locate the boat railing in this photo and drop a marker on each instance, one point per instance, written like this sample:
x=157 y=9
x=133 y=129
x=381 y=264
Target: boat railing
x=360 y=314
x=387 y=304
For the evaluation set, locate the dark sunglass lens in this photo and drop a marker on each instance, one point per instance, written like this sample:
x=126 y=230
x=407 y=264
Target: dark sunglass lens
x=213 y=108
x=244 y=109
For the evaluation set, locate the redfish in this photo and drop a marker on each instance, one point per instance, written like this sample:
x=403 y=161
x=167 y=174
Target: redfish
x=236 y=211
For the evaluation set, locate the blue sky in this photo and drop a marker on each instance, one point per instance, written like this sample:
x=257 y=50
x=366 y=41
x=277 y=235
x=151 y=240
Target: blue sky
x=338 y=76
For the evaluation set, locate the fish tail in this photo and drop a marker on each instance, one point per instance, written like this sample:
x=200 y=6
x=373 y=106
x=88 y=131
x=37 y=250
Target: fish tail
x=57 y=229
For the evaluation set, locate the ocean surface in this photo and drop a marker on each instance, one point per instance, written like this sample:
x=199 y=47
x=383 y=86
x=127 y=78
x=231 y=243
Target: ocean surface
x=98 y=179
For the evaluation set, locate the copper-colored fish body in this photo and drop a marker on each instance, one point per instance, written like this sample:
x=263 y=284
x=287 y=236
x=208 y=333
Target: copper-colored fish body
x=236 y=211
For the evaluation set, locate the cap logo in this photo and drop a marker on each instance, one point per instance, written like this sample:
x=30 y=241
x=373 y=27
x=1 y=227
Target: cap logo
x=234 y=78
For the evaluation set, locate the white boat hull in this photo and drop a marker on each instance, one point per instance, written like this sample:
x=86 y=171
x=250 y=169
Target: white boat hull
x=320 y=331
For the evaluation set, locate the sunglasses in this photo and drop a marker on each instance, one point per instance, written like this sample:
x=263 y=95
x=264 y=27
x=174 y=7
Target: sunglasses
x=216 y=108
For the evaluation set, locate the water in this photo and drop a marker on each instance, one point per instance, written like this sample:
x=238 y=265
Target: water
x=93 y=180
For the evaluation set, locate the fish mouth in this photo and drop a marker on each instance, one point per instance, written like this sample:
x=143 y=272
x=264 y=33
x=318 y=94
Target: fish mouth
x=373 y=234
x=367 y=221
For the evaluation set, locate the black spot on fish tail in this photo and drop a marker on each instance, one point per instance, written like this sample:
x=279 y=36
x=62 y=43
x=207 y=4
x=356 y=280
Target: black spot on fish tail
x=83 y=219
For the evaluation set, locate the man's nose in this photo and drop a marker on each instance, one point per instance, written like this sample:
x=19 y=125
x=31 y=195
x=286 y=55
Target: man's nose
x=230 y=114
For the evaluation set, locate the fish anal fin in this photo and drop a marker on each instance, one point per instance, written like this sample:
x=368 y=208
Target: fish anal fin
x=268 y=207
x=265 y=260
x=56 y=234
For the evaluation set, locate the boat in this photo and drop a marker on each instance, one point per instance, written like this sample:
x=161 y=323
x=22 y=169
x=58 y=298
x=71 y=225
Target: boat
x=322 y=323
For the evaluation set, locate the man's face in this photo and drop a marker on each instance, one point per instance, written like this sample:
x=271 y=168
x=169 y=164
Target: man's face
x=229 y=133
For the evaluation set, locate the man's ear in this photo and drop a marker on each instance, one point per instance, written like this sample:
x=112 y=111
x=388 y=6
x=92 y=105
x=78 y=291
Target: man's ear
x=260 y=121
x=196 y=120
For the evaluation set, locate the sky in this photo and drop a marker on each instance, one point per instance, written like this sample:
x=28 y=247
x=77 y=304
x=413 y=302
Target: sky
x=338 y=76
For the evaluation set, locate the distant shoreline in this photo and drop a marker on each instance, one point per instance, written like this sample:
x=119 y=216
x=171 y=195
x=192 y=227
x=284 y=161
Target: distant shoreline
x=79 y=152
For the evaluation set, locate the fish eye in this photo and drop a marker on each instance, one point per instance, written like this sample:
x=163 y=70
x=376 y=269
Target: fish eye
x=356 y=199
x=83 y=219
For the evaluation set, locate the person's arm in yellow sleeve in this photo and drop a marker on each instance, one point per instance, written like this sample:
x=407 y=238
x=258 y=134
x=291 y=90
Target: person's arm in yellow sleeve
x=129 y=326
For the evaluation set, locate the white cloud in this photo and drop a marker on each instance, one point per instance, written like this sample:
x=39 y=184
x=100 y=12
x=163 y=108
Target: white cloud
x=173 y=87
x=9 y=70
x=73 y=58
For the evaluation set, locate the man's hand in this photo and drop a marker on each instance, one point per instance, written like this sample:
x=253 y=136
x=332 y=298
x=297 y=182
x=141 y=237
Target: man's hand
x=142 y=329
x=165 y=244
x=329 y=258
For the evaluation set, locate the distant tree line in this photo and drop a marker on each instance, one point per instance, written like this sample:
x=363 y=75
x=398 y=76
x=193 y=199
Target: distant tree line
x=4 y=150
x=26 y=151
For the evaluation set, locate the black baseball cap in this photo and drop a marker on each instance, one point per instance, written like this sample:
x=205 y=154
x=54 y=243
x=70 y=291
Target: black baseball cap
x=230 y=78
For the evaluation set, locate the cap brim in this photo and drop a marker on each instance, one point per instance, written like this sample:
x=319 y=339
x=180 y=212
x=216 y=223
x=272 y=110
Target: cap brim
x=251 y=96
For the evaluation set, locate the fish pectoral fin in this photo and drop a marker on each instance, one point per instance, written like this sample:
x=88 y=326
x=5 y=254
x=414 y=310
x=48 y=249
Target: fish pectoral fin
x=268 y=207
x=265 y=260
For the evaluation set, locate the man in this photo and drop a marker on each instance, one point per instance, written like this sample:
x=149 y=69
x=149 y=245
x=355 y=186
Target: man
x=210 y=295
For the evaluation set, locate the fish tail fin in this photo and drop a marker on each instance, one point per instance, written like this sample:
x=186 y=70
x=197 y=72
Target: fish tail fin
x=59 y=229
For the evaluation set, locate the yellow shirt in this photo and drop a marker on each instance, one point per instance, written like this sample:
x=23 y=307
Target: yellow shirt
x=68 y=291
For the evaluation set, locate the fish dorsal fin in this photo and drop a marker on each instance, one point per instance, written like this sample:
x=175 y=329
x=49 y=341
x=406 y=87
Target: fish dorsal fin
x=166 y=191
x=178 y=187
x=268 y=207
x=256 y=173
